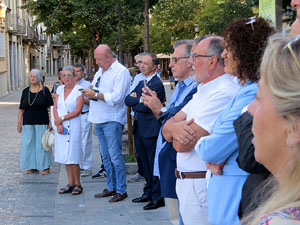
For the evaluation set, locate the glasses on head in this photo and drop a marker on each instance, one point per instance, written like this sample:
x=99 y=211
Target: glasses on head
x=67 y=75
x=176 y=59
x=194 y=56
x=289 y=46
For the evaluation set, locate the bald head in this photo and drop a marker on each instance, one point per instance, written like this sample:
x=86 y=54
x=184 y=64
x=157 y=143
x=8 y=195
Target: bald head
x=104 y=56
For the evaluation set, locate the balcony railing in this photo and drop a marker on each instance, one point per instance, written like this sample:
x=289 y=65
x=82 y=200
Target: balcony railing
x=13 y=23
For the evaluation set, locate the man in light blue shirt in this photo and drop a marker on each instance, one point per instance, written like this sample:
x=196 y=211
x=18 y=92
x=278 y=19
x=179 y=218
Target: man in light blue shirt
x=181 y=70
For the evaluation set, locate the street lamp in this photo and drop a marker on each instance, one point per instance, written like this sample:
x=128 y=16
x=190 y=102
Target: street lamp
x=196 y=29
x=172 y=39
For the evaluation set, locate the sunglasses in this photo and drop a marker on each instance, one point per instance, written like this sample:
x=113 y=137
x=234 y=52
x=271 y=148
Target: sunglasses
x=175 y=59
x=289 y=46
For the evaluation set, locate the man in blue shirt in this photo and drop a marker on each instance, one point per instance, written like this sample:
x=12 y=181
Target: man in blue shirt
x=183 y=93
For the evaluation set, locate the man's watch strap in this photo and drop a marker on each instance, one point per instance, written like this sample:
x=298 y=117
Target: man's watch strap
x=62 y=118
x=96 y=96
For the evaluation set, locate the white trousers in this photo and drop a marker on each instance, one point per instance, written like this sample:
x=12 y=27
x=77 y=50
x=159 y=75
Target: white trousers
x=172 y=204
x=86 y=143
x=192 y=195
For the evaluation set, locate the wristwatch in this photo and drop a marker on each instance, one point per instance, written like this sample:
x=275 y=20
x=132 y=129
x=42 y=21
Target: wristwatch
x=62 y=118
x=96 y=96
x=163 y=109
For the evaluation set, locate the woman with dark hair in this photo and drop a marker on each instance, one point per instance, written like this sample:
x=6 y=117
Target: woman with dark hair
x=244 y=44
x=33 y=121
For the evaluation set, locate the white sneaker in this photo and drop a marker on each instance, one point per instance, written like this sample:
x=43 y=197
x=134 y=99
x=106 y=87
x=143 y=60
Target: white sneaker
x=136 y=178
x=86 y=173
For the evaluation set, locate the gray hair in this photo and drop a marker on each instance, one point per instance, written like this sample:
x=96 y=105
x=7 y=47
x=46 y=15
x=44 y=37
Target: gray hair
x=37 y=73
x=70 y=68
x=140 y=55
x=216 y=47
x=188 y=46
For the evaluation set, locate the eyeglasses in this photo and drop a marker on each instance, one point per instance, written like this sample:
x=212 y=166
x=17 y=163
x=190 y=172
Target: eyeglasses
x=194 y=56
x=289 y=46
x=175 y=59
x=67 y=75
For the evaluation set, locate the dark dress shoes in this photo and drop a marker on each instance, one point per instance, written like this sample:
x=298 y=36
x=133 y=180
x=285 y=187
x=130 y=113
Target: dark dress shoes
x=144 y=198
x=105 y=193
x=118 y=197
x=154 y=204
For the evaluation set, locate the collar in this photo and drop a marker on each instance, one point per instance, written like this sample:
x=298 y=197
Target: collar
x=188 y=81
x=82 y=79
x=150 y=78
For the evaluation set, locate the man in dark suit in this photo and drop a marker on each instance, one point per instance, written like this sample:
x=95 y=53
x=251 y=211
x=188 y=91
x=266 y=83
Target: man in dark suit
x=145 y=130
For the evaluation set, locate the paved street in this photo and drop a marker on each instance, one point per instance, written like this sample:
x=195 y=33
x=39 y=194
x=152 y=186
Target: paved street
x=34 y=199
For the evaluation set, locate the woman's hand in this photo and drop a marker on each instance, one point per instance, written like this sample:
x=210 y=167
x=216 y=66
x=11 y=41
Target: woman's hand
x=58 y=121
x=50 y=126
x=60 y=129
x=19 y=127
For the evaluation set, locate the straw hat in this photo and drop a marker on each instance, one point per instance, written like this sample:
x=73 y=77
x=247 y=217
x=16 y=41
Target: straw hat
x=48 y=140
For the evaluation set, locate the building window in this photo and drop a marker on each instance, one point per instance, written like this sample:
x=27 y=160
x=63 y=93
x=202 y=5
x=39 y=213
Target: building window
x=2 y=46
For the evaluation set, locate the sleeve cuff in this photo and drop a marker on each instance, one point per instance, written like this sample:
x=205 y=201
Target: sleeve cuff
x=108 y=99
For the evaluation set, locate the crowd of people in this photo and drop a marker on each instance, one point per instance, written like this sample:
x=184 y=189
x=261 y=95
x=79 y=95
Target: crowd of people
x=224 y=150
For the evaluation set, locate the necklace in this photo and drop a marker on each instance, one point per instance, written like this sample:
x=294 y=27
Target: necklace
x=30 y=104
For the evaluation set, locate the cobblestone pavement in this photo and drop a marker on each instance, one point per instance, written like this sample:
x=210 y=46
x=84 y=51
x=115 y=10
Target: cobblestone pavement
x=34 y=199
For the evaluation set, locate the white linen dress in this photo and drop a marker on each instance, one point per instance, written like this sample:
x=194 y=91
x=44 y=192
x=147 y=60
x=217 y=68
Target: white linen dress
x=68 y=146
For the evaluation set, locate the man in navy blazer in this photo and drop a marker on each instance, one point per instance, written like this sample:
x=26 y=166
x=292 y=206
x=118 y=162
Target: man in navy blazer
x=145 y=130
x=165 y=156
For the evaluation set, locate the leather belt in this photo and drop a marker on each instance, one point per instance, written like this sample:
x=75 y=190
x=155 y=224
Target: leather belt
x=84 y=112
x=190 y=175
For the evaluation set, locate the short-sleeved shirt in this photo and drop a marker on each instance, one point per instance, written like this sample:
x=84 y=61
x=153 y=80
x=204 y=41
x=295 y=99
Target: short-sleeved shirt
x=36 y=112
x=205 y=107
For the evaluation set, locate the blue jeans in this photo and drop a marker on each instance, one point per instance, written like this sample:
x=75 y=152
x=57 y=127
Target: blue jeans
x=110 y=140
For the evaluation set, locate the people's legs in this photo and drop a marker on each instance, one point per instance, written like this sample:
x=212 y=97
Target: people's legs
x=86 y=143
x=193 y=201
x=140 y=170
x=69 y=173
x=27 y=159
x=111 y=182
x=141 y=150
x=75 y=173
x=113 y=135
x=150 y=147
x=172 y=204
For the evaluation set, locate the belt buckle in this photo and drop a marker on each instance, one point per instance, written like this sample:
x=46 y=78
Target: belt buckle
x=180 y=175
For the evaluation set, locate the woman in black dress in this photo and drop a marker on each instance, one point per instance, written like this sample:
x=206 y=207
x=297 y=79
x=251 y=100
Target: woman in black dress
x=33 y=121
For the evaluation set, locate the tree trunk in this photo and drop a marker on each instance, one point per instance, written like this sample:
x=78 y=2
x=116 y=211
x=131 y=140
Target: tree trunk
x=146 y=35
x=120 y=33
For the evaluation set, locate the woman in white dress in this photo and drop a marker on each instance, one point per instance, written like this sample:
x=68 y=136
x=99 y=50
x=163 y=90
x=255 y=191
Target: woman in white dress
x=67 y=108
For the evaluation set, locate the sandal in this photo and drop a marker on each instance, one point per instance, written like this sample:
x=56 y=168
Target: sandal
x=67 y=189
x=77 y=189
x=32 y=171
x=46 y=171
